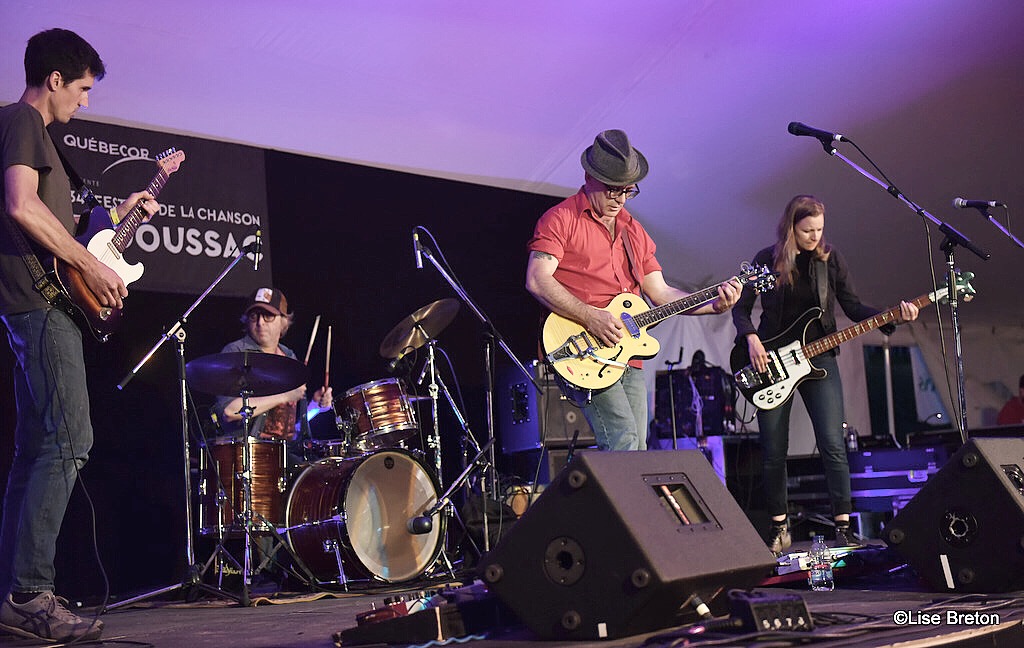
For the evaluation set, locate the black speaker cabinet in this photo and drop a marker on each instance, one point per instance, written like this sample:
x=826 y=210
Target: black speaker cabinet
x=528 y=419
x=620 y=542
x=964 y=530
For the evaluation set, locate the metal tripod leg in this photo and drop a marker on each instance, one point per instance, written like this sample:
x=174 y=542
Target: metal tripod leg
x=193 y=576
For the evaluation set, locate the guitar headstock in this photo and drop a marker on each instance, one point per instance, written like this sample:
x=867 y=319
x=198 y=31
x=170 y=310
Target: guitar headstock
x=170 y=160
x=761 y=279
x=964 y=289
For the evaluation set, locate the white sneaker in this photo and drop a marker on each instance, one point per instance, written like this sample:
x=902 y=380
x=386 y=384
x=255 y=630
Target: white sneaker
x=46 y=618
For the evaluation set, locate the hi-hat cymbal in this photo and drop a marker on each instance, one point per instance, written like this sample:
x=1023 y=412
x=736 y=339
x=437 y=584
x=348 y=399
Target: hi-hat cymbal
x=417 y=329
x=251 y=372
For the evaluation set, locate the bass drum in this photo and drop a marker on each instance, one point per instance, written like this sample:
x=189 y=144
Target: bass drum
x=346 y=518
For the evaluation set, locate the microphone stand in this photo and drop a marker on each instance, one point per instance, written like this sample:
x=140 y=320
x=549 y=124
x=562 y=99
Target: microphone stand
x=177 y=332
x=492 y=334
x=424 y=523
x=948 y=245
x=988 y=216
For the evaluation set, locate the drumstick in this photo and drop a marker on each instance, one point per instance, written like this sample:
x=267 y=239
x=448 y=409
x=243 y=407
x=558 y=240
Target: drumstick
x=327 y=363
x=312 y=336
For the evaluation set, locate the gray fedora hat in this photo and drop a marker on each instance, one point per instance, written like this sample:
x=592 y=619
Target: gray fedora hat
x=613 y=160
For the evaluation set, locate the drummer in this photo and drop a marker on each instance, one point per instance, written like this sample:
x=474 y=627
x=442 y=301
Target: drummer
x=266 y=320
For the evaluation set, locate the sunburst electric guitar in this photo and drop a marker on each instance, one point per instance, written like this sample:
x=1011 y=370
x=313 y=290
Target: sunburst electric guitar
x=108 y=245
x=789 y=358
x=582 y=360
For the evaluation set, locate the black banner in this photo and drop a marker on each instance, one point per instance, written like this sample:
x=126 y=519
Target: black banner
x=210 y=207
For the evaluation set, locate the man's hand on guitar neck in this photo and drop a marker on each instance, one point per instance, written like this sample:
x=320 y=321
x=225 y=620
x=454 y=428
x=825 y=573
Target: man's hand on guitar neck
x=148 y=201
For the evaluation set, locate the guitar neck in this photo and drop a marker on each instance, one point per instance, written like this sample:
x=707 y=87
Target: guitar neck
x=690 y=302
x=833 y=340
x=130 y=223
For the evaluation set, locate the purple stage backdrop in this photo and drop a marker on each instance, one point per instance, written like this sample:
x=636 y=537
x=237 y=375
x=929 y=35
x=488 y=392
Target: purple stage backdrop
x=210 y=207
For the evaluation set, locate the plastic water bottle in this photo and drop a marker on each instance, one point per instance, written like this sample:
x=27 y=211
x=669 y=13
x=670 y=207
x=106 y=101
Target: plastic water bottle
x=851 y=437
x=820 y=563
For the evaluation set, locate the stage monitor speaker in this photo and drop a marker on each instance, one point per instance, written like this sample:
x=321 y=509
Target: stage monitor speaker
x=964 y=530
x=621 y=542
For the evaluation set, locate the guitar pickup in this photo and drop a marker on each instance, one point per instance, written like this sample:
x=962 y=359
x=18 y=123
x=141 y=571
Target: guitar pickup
x=631 y=327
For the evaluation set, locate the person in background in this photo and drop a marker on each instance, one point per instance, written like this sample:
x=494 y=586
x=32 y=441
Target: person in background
x=1012 y=412
x=266 y=320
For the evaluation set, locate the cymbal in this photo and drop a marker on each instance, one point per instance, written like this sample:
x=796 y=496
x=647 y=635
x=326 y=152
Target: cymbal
x=258 y=374
x=417 y=329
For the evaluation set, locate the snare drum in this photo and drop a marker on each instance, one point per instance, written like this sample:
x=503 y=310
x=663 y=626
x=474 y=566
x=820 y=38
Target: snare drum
x=347 y=518
x=382 y=414
x=267 y=479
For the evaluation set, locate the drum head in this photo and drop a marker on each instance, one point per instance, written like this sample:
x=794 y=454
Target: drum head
x=387 y=489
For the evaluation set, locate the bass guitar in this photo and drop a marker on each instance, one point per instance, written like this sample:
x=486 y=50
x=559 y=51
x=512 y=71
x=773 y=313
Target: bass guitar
x=789 y=358
x=108 y=245
x=583 y=361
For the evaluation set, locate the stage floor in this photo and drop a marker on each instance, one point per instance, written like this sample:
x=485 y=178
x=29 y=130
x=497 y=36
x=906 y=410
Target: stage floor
x=871 y=606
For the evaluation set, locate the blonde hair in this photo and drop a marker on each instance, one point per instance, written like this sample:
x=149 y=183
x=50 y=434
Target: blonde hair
x=786 y=249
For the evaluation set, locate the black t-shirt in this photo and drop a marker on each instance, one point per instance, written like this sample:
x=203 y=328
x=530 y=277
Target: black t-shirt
x=25 y=140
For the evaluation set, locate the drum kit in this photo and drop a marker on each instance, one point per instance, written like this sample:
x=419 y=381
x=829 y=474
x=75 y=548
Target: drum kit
x=344 y=513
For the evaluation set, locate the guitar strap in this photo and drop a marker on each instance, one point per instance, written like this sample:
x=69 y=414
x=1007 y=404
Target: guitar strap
x=40 y=281
x=821 y=275
x=84 y=192
x=633 y=268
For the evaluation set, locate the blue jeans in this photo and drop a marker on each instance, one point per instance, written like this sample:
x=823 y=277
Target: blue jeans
x=617 y=414
x=51 y=443
x=824 y=401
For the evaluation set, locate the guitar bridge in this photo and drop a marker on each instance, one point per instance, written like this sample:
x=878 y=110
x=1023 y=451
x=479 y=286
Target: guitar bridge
x=575 y=348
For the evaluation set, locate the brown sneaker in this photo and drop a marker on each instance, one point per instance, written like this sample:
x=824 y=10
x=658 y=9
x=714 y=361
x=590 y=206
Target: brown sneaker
x=46 y=618
x=779 y=539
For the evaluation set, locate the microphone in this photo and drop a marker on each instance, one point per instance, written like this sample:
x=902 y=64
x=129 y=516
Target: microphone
x=416 y=249
x=960 y=203
x=257 y=250
x=423 y=374
x=394 y=362
x=825 y=137
x=419 y=525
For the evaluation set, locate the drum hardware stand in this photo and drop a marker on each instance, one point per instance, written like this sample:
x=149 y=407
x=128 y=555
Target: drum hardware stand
x=423 y=252
x=425 y=523
x=192 y=578
x=434 y=387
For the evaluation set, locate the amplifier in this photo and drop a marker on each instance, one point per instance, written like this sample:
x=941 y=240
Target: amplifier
x=528 y=419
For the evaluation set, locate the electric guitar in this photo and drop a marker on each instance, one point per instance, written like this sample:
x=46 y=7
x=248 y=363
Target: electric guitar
x=108 y=245
x=789 y=358
x=582 y=360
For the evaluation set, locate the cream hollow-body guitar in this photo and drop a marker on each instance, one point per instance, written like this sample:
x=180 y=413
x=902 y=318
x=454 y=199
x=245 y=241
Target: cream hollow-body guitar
x=582 y=360
x=108 y=245
x=789 y=358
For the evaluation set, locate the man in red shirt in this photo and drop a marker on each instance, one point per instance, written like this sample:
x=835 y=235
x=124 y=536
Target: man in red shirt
x=588 y=249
